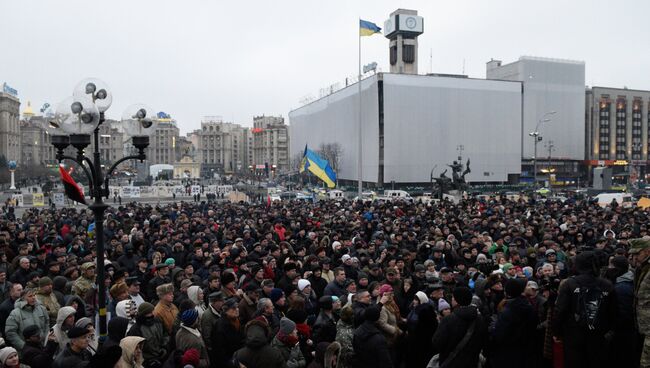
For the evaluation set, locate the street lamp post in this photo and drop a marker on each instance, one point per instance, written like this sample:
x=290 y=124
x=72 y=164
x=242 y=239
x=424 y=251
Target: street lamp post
x=70 y=125
x=537 y=138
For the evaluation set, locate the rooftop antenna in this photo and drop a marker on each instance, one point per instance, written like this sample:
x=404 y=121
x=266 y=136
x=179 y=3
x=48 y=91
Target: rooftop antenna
x=463 y=73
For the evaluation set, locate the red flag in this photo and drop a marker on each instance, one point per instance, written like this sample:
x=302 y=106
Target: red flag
x=72 y=190
x=268 y=201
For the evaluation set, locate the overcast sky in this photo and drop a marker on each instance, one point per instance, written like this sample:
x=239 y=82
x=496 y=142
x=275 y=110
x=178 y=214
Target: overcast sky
x=194 y=58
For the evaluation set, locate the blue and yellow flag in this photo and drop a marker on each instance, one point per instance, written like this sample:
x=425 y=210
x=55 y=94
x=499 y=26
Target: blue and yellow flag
x=368 y=28
x=318 y=166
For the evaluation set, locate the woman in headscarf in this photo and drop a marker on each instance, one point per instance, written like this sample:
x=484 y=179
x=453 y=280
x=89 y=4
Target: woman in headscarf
x=388 y=321
x=195 y=293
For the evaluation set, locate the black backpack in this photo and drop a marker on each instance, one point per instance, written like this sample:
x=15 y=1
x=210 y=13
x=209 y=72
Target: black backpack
x=587 y=302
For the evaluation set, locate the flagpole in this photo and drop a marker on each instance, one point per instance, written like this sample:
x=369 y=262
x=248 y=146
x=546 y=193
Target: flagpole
x=360 y=143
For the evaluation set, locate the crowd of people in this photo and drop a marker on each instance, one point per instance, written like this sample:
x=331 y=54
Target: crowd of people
x=482 y=283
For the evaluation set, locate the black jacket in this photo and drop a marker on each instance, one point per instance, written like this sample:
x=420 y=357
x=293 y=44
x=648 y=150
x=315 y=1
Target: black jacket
x=370 y=347
x=258 y=353
x=451 y=331
x=68 y=358
x=422 y=324
x=514 y=334
x=35 y=355
x=226 y=340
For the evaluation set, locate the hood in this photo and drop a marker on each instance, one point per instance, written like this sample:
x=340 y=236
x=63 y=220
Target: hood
x=128 y=345
x=64 y=313
x=256 y=334
x=59 y=283
x=117 y=328
x=364 y=332
x=20 y=303
x=193 y=294
x=585 y=263
x=120 y=308
x=626 y=277
x=467 y=313
x=175 y=272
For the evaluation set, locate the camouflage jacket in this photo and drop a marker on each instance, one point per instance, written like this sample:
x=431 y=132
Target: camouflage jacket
x=642 y=297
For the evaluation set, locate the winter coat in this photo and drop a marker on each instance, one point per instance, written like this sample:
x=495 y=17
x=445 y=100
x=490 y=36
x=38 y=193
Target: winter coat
x=344 y=334
x=208 y=323
x=166 y=314
x=22 y=316
x=514 y=335
x=370 y=347
x=116 y=332
x=422 y=324
x=37 y=356
x=190 y=338
x=68 y=358
x=61 y=336
x=626 y=338
x=128 y=360
x=193 y=294
x=452 y=330
x=5 y=309
x=291 y=354
x=388 y=325
x=247 y=309
x=156 y=339
x=334 y=288
x=324 y=328
x=258 y=353
x=226 y=340
x=50 y=303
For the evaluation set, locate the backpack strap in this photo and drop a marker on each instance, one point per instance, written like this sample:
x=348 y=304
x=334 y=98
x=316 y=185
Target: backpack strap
x=461 y=345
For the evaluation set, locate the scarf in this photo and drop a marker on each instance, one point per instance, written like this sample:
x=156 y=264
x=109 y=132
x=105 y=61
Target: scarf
x=288 y=340
x=303 y=330
x=191 y=330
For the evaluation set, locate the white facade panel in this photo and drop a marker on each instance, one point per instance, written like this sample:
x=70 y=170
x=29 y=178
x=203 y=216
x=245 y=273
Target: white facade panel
x=427 y=118
x=550 y=85
x=335 y=119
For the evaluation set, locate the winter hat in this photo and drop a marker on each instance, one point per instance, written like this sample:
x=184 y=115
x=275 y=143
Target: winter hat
x=186 y=283
x=462 y=295
x=106 y=358
x=347 y=314
x=385 y=288
x=164 y=289
x=191 y=357
x=145 y=308
x=170 y=261
x=5 y=353
x=422 y=297
x=371 y=314
x=287 y=326
x=481 y=258
x=506 y=267
x=189 y=316
x=302 y=284
x=44 y=281
x=31 y=330
x=515 y=287
x=84 y=322
x=620 y=263
x=76 y=332
x=325 y=302
x=442 y=305
x=276 y=294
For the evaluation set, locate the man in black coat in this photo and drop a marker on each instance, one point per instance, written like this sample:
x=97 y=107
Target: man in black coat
x=369 y=344
x=585 y=346
x=34 y=353
x=8 y=304
x=227 y=336
x=452 y=330
x=515 y=329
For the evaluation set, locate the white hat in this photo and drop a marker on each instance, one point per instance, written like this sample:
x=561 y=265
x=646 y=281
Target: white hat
x=345 y=257
x=302 y=284
x=5 y=353
x=422 y=297
x=336 y=244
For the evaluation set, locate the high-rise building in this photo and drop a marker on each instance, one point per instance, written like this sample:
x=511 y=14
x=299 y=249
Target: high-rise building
x=9 y=124
x=222 y=146
x=270 y=143
x=36 y=147
x=617 y=131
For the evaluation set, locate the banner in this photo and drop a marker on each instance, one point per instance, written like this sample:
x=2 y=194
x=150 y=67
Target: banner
x=59 y=199
x=196 y=189
x=131 y=192
x=38 y=200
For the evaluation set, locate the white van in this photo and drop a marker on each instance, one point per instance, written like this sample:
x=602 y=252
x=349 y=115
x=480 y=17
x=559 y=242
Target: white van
x=623 y=199
x=336 y=195
x=397 y=194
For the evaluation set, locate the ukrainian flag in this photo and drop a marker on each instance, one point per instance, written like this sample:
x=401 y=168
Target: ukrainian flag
x=368 y=28
x=318 y=166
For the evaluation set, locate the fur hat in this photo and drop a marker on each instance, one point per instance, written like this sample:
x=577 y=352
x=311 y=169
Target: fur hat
x=227 y=278
x=164 y=289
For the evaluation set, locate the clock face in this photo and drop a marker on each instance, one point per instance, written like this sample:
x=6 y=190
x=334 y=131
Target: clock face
x=411 y=22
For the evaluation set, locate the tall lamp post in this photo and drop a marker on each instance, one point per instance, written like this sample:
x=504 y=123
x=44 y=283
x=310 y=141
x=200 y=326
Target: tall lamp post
x=537 y=138
x=71 y=124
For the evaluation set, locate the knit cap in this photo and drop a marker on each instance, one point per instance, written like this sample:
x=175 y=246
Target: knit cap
x=287 y=326
x=145 y=308
x=191 y=357
x=302 y=284
x=189 y=317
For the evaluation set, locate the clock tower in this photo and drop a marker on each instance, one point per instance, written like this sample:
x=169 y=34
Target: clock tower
x=402 y=29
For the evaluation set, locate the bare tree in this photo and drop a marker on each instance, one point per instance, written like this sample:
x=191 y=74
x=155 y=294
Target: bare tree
x=332 y=152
